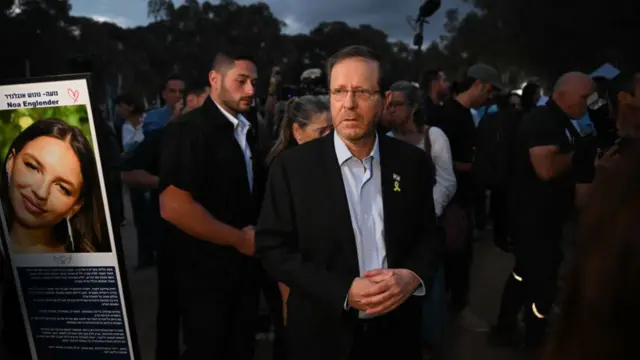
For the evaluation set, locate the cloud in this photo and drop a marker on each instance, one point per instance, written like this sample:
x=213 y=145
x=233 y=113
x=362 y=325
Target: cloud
x=294 y=26
x=119 y=20
x=387 y=15
x=125 y=13
x=300 y=16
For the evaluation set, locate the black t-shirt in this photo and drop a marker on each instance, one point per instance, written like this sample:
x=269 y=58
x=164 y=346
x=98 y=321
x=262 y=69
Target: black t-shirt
x=457 y=123
x=538 y=199
x=430 y=113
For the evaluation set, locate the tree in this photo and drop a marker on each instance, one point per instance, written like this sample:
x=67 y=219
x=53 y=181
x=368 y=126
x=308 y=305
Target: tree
x=30 y=30
x=508 y=34
x=551 y=37
x=159 y=9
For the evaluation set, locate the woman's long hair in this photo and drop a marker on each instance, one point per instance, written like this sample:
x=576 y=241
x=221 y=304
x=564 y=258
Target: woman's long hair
x=298 y=110
x=600 y=313
x=88 y=224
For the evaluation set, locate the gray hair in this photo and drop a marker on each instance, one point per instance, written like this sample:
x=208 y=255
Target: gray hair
x=411 y=92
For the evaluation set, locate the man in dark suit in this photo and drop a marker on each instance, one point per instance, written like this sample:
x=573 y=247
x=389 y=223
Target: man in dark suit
x=348 y=224
x=209 y=193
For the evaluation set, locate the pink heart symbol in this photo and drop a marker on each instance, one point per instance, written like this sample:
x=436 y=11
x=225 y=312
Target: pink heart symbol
x=74 y=94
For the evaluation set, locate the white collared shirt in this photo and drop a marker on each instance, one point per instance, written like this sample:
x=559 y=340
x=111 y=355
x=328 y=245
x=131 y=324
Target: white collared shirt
x=241 y=127
x=131 y=135
x=446 y=183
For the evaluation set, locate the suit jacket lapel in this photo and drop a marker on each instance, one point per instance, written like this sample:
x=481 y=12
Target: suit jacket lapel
x=391 y=199
x=338 y=197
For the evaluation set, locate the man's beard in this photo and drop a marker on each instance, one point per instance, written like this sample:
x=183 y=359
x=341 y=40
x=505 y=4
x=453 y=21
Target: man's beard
x=233 y=104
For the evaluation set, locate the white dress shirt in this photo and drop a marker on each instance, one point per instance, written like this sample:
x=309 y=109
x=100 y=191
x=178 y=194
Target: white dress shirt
x=446 y=184
x=241 y=126
x=131 y=135
x=476 y=116
x=363 y=187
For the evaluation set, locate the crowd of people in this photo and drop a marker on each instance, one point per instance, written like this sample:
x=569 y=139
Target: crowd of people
x=354 y=210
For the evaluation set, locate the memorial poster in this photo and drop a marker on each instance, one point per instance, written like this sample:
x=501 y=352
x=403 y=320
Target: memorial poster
x=56 y=228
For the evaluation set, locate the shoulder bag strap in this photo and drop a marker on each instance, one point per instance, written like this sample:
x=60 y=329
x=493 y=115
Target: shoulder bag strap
x=427 y=140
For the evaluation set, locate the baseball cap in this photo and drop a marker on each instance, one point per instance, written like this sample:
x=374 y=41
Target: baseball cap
x=486 y=73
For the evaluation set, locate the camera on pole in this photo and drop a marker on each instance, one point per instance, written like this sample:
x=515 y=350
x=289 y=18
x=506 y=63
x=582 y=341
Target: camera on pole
x=427 y=9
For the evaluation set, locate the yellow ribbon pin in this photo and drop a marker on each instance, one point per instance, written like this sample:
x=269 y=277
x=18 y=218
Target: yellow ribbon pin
x=396 y=186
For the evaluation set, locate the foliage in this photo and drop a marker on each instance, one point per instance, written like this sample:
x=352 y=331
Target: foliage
x=14 y=121
x=541 y=38
x=549 y=37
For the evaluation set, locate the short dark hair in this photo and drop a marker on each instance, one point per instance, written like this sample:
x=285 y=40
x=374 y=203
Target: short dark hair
x=354 y=51
x=428 y=77
x=197 y=89
x=172 y=77
x=410 y=91
x=224 y=59
x=528 y=97
x=124 y=98
x=135 y=102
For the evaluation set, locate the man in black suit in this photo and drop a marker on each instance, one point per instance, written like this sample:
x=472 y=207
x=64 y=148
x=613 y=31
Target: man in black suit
x=348 y=224
x=209 y=193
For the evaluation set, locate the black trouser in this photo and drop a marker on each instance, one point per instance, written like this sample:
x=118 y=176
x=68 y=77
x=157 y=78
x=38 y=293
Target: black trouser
x=219 y=301
x=458 y=271
x=168 y=315
x=143 y=219
x=272 y=295
x=500 y=217
x=533 y=282
x=375 y=339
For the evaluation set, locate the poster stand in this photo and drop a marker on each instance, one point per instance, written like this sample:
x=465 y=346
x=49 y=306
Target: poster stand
x=64 y=253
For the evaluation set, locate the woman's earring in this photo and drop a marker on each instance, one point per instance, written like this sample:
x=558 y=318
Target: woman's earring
x=73 y=245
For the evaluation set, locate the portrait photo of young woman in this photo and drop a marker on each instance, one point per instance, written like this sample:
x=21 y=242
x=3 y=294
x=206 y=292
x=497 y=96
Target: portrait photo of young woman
x=50 y=192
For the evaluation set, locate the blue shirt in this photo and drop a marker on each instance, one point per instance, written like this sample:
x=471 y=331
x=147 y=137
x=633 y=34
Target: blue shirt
x=363 y=187
x=156 y=119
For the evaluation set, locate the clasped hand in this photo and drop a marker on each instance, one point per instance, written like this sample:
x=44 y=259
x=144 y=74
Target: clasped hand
x=381 y=291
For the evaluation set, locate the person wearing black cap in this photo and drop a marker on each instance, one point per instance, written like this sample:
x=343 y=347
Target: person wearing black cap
x=456 y=120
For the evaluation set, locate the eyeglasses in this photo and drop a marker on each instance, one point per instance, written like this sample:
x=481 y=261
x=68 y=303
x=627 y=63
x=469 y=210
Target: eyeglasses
x=360 y=94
